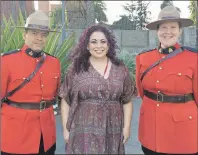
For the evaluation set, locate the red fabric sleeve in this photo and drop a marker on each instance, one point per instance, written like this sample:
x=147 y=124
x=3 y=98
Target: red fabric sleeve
x=4 y=77
x=138 y=76
x=195 y=83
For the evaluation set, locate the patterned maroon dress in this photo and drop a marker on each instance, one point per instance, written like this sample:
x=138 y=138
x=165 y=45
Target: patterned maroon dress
x=95 y=118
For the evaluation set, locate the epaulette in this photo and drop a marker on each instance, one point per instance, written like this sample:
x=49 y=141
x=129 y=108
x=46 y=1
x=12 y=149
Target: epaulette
x=147 y=51
x=50 y=54
x=10 y=52
x=190 y=49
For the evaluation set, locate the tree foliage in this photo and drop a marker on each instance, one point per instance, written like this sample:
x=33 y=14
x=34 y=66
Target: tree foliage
x=100 y=8
x=138 y=13
x=124 y=23
x=56 y=17
x=75 y=7
x=192 y=8
x=168 y=3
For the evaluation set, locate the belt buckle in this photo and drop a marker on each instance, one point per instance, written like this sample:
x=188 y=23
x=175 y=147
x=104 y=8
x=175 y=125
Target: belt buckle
x=42 y=105
x=158 y=97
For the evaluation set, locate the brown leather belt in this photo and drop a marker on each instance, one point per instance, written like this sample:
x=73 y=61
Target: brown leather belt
x=31 y=106
x=167 y=98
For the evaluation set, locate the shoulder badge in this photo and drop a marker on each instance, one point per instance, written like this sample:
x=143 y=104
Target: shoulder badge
x=10 y=52
x=190 y=49
x=146 y=51
x=50 y=55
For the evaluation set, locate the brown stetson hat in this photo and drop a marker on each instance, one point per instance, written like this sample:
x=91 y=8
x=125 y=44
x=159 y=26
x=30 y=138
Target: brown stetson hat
x=38 y=20
x=169 y=13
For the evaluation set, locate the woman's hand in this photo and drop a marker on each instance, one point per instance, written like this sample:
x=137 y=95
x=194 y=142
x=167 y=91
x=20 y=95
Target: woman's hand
x=127 y=108
x=66 y=135
x=126 y=134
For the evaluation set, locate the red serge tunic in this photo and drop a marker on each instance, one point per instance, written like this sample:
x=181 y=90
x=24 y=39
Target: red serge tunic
x=21 y=129
x=168 y=127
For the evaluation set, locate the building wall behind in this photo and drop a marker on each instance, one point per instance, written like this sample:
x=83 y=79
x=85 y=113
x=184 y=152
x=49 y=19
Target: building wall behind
x=135 y=41
x=11 y=8
x=43 y=6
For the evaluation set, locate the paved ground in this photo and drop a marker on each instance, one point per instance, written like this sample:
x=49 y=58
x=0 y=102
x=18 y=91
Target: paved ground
x=132 y=146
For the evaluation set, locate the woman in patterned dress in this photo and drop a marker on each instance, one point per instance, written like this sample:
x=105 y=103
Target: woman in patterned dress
x=96 y=94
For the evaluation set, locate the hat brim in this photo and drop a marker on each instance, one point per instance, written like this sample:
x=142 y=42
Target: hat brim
x=184 y=22
x=37 y=29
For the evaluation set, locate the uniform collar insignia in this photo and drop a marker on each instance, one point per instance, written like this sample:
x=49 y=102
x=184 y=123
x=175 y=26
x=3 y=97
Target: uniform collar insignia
x=32 y=53
x=166 y=50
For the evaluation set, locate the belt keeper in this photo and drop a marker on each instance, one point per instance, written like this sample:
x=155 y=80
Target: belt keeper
x=41 y=104
x=158 y=100
x=27 y=79
x=185 y=97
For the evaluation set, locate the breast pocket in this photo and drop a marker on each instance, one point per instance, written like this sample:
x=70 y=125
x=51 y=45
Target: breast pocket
x=51 y=81
x=55 y=78
x=180 y=81
x=186 y=73
x=179 y=75
x=17 y=79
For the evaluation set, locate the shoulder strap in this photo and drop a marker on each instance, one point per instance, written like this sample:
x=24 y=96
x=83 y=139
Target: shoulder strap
x=172 y=54
x=145 y=51
x=190 y=49
x=10 y=52
x=26 y=80
x=50 y=54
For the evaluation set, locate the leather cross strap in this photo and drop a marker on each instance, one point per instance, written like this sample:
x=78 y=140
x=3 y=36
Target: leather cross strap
x=38 y=66
x=172 y=54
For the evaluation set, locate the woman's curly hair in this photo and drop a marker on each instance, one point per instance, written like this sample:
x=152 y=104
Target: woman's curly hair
x=80 y=55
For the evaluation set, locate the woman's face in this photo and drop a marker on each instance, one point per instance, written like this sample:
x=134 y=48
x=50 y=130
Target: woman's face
x=168 y=33
x=98 y=45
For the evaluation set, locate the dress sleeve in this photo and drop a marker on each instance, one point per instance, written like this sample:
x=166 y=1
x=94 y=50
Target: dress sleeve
x=138 y=81
x=128 y=88
x=66 y=86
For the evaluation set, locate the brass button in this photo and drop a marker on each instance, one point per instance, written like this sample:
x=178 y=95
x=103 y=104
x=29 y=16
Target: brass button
x=160 y=67
x=157 y=81
x=23 y=78
x=158 y=91
x=41 y=72
x=37 y=60
x=55 y=77
x=158 y=105
x=42 y=85
x=190 y=117
x=179 y=74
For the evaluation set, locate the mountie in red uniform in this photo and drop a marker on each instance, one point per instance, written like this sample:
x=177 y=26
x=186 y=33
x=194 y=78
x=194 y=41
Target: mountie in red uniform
x=21 y=128
x=169 y=127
